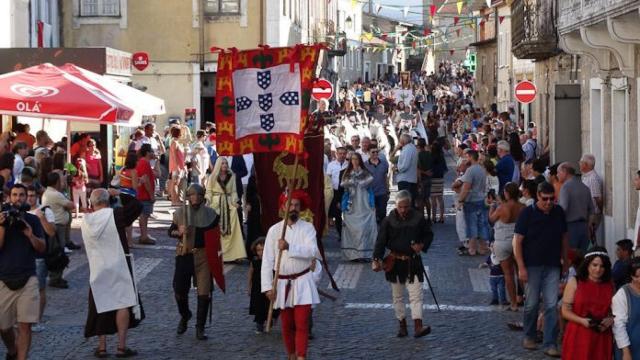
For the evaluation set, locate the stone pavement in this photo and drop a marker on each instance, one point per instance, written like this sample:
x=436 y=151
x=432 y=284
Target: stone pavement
x=359 y=325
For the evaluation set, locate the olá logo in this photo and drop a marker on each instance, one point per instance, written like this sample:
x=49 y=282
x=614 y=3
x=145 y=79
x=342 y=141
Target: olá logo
x=31 y=91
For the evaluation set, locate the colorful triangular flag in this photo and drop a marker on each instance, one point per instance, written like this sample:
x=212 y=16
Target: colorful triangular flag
x=455 y=20
x=432 y=11
x=500 y=19
x=459 y=4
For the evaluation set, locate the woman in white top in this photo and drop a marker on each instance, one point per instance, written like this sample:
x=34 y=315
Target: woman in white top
x=625 y=307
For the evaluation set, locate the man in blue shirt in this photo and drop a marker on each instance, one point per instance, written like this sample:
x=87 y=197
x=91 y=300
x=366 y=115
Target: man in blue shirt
x=540 y=247
x=505 y=166
x=379 y=168
x=21 y=236
x=407 y=168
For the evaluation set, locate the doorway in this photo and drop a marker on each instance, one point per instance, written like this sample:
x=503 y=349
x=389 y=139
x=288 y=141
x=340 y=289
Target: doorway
x=567 y=127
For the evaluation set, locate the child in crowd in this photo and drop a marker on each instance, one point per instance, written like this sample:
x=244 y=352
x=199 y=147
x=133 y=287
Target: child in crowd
x=496 y=280
x=258 y=302
x=79 y=190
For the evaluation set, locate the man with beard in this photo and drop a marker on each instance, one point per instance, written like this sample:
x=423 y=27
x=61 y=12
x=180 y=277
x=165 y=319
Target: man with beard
x=296 y=290
x=191 y=257
x=404 y=232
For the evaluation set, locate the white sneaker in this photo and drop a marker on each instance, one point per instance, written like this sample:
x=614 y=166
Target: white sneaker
x=38 y=327
x=67 y=250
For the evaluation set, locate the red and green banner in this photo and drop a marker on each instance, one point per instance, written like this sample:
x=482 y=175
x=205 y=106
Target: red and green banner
x=262 y=98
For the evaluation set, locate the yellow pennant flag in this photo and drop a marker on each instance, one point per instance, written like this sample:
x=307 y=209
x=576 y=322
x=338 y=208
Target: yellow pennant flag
x=459 y=4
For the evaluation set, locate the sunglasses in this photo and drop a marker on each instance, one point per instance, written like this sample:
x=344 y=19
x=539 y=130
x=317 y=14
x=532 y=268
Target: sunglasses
x=547 y=198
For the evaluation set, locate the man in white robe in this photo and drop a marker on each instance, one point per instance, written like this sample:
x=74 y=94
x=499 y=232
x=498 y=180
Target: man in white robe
x=111 y=283
x=296 y=290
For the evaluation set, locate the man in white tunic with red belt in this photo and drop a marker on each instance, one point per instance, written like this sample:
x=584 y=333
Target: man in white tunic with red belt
x=296 y=290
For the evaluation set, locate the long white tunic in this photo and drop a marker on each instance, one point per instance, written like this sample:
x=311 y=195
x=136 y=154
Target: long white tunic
x=109 y=274
x=303 y=250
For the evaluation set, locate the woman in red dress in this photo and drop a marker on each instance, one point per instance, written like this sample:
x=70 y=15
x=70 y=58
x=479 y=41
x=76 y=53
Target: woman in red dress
x=586 y=305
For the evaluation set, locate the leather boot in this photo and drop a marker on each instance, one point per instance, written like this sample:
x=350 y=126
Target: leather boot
x=420 y=331
x=185 y=313
x=402 y=331
x=201 y=316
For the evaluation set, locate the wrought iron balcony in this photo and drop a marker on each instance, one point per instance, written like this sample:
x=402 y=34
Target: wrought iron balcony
x=572 y=14
x=532 y=28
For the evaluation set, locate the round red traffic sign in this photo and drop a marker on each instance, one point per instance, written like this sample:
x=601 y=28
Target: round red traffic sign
x=525 y=92
x=322 y=89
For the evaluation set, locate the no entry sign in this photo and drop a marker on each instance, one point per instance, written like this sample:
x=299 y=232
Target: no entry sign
x=322 y=89
x=525 y=92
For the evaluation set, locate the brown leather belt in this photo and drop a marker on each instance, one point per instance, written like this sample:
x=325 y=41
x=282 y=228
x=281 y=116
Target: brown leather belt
x=290 y=278
x=400 y=256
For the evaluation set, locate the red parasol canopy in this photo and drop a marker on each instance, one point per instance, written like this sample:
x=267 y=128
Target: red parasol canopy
x=47 y=91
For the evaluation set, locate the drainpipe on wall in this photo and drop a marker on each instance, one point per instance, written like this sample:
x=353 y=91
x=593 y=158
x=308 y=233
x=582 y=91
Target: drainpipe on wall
x=262 y=22
x=201 y=35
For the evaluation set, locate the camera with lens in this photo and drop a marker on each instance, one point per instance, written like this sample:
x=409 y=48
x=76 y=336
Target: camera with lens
x=14 y=215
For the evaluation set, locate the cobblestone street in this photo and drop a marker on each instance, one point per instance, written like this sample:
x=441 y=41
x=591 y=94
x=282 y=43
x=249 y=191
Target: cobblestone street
x=359 y=325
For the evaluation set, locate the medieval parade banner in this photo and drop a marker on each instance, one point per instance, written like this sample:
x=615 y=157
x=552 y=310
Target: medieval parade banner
x=262 y=107
x=262 y=98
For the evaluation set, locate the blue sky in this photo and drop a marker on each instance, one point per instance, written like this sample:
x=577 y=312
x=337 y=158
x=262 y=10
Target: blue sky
x=397 y=14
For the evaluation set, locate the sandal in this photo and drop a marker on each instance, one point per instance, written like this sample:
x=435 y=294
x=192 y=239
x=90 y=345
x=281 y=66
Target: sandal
x=125 y=353
x=100 y=353
x=515 y=326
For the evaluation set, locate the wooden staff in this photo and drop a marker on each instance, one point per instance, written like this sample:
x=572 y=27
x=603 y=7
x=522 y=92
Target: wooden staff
x=291 y=181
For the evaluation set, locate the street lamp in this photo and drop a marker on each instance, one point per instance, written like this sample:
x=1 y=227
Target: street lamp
x=348 y=22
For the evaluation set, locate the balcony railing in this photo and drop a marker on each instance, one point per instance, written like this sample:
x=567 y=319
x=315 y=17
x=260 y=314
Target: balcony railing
x=533 y=34
x=572 y=14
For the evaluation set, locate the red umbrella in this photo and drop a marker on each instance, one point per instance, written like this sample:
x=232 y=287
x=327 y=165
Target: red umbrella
x=47 y=91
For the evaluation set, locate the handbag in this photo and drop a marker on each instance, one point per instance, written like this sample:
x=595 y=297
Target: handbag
x=55 y=258
x=17 y=283
x=56 y=261
x=388 y=262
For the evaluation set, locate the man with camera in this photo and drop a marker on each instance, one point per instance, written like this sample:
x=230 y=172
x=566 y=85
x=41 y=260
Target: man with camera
x=61 y=207
x=21 y=237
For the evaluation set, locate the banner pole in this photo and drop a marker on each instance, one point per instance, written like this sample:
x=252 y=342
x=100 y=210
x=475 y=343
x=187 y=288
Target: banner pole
x=290 y=188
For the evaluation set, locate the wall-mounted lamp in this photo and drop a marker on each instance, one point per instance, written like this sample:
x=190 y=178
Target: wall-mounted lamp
x=348 y=22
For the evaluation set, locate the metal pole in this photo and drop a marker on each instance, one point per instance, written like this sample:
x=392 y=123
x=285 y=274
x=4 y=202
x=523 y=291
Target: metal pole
x=426 y=276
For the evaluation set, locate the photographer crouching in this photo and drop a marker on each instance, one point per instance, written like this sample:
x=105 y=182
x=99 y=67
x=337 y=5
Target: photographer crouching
x=21 y=237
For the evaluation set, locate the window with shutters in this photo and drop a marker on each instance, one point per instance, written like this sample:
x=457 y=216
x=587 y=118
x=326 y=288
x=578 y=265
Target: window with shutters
x=221 y=7
x=100 y=8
